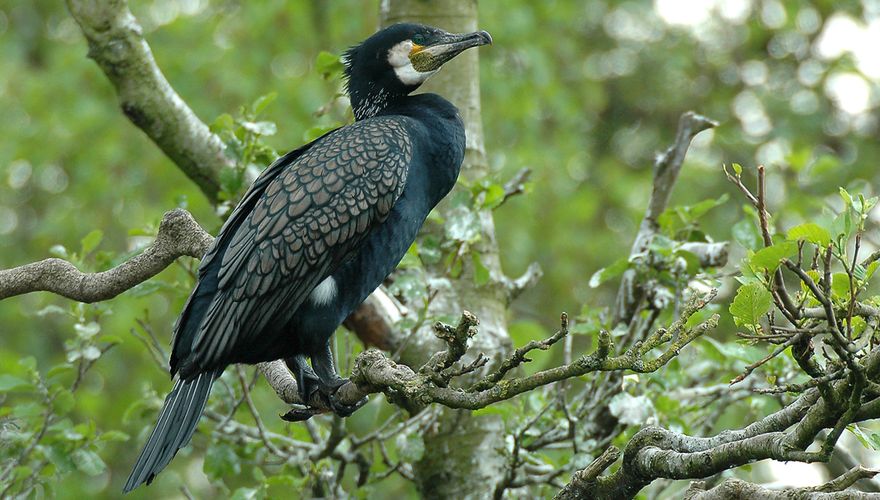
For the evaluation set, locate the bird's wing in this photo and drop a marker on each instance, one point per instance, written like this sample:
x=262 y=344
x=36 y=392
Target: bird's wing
x=309 y=219
x=248 y=201
x=187 y=325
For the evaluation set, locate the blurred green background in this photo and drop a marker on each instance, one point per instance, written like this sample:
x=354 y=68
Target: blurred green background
x=583 y=93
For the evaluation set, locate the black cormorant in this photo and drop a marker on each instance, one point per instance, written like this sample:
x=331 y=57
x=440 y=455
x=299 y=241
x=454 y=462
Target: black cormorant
x=317 y=232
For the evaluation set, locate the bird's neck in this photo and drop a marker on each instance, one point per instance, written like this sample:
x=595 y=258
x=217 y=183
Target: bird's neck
x=370 y=101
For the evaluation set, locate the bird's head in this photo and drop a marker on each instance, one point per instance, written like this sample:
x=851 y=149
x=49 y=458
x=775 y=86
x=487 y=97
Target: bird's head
x=399 y=58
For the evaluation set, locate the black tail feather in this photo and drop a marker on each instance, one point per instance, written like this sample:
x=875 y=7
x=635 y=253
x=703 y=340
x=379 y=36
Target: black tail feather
x=177 y=422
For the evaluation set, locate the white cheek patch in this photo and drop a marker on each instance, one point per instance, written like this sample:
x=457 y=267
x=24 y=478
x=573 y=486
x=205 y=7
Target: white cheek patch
x=324 y=293
x=398 y=58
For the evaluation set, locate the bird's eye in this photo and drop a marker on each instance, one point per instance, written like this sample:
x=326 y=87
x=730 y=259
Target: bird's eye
x=419 y=39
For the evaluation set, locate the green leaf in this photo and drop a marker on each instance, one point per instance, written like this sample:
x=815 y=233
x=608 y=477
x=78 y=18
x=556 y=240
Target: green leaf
x=63 y=402
x=62 y=460
x=221 y=461
x=91 y=241
x=701 y=208
x=11 y=383
x=59 y=251
x=29 y=363
x=21 y=473
x=858 y=326
x=410 y=258
x=606 y=273
x=260 y=128
x=752 y=301
x=843 y=224
x=768 y=258
x=746 y=234
x=114 y=436
x=861 y=436
x=88 y=330
x=737 y=168
x=493 y=197
x=246 y=494
x=840 y=285
x=481 y=273
x=430 y=251
x=690 y=259
x=148 y=288
x=58 y=370
x=285 y=480
x=222 y=123
x=263 y=101
x=317 y=131
x=231 y=180
x=875 y=440
x=812 y=232
x=88 y=461
x=845 y=196
x=455 y=267
x=328 y=64
x=872 y=267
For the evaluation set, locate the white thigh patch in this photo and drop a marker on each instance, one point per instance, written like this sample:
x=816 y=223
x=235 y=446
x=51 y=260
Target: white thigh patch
x=324 y=293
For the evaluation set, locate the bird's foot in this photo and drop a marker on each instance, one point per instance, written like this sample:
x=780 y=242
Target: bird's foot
x=327 y=393
x=344 y=410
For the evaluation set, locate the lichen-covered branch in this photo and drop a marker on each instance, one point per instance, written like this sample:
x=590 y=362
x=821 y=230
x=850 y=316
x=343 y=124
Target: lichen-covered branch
x=374 y=372
x=785 y=435
x=413 y=390
x=117 y=45
x=179 y=234
x=832 y=490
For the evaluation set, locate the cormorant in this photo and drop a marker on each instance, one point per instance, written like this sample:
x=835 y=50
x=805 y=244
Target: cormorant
x=317 y=232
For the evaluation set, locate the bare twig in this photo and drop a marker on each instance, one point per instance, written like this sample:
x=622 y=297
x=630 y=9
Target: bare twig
x=516 y=185
x=583 y=482
x=518 y=357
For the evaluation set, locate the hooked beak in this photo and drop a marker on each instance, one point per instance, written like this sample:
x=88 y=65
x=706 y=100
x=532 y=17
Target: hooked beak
x=431 y=57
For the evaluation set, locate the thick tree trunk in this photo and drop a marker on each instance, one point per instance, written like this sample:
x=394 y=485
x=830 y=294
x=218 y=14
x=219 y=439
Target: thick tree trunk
x=461 y=457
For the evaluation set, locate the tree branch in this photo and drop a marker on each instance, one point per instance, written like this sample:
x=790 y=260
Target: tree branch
x=179 y=234
x=832 y=490
x=374 y=372
x=784 y=435
x=117 y=45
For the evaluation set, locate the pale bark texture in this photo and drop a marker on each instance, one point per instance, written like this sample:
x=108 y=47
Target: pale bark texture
x=461 y=458
x=117 y=45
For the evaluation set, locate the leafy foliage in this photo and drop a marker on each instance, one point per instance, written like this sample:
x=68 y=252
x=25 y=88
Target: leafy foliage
x=76 y=179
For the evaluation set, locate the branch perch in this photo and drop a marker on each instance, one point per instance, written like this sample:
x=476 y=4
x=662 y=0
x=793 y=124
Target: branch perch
x=179 y=234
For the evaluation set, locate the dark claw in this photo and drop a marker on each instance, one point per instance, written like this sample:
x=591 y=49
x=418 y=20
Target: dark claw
x=300 y=414
x=327 y=394
x=344 y=410
x=329 y=391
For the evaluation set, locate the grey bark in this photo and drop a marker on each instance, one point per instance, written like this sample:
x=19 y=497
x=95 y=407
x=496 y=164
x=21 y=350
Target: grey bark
x=179 y=234
x=117 y=45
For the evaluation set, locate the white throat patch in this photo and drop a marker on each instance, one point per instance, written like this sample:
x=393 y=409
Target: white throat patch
x=398 y=58
x=324 y=293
